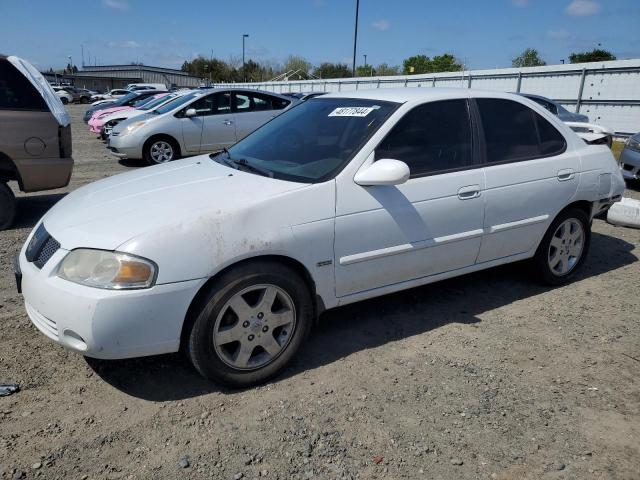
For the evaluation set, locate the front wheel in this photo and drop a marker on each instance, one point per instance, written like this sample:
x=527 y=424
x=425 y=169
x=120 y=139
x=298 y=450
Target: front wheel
x=250 y=324
x=563 y=248
x=7 y=206
x=160 y=151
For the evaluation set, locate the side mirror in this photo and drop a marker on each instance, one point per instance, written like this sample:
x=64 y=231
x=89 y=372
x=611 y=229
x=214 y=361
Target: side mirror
x=383 y=172
x=191 y=112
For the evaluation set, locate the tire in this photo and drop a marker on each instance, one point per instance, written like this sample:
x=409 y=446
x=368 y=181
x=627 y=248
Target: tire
x=84 y=100
x=160 y=150
x=563 y=248
x=257 y=348
x=7 y=206
x=64 y=100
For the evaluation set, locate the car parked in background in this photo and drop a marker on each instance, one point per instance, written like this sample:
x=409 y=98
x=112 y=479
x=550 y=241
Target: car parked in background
x=95 y=122
x=35 y=135
x=112 y=119
x=125 y=101
x=80 y=95
x=62 y=93
x=302 y=96
x=630 y=158
x=146 y=86
x=231 y=256
x=557 y=109
x=114 y=94
x=198 y=122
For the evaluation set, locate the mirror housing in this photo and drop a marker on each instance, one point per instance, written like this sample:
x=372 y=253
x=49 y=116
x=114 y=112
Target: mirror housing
x=191 y=112
x=385 y=171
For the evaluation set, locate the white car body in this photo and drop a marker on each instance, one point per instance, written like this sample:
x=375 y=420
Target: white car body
x=109 y=96
x=63 y=95
x=149 y=86
x=197 y=217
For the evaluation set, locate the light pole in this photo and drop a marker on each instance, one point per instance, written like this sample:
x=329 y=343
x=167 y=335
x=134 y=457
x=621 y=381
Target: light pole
x=355 y=40
x=365 y=59
x=70 y=63
x=244 y=75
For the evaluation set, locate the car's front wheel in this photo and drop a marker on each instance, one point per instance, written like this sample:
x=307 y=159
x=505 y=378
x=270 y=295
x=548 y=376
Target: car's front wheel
x=7 y=206
x=160 y=150
x=64 y=100
x=250 y=323
x=564 y=247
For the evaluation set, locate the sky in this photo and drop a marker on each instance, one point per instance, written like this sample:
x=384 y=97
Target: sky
x=482 y=33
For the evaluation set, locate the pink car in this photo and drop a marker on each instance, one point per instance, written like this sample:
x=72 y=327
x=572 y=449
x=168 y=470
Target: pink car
x=96 y=121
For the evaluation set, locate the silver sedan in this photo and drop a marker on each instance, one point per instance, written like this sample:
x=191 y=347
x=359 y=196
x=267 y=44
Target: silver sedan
x=199 y=122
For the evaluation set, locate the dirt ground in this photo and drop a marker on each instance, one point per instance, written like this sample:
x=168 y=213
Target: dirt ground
x=484 y=376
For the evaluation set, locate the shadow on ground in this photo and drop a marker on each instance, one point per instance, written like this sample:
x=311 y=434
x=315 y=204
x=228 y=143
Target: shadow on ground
x=369 y=324
x=133 y=163
x=30 y=209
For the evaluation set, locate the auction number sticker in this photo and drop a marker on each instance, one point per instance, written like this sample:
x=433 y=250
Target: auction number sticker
x=353 y=111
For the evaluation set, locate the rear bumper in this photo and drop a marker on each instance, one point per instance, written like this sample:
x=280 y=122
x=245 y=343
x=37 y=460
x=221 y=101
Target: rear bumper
x=44 y=173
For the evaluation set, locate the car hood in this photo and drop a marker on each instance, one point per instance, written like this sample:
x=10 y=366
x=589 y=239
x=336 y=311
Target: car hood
x=110 y=110
x=109 y=212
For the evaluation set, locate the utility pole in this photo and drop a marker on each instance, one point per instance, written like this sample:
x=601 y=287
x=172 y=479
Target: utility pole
x=244 y=75
x=82 y=50
x=355 y=39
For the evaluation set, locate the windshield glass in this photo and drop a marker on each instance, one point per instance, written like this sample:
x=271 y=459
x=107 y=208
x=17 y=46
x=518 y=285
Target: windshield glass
x=314 y=140
x=126 y=98
x=176 y=102
x=154 y=102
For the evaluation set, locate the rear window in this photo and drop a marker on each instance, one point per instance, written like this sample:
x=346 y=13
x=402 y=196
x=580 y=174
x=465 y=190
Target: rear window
x=16 y=92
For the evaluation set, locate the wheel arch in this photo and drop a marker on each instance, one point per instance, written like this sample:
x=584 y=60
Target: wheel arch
x=9 y=171
x=162 y=136
x=585 y=205
x=297 y=266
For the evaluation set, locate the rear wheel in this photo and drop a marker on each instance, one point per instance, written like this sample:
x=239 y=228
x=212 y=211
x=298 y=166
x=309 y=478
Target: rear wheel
x=7 y=206
x=64 y=100
x=250 y=324
x=563 y=248
x=84 y=100
x=160 y=150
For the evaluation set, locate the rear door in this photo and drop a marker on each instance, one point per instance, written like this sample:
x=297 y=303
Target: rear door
x=254 y=109
x=530 y=176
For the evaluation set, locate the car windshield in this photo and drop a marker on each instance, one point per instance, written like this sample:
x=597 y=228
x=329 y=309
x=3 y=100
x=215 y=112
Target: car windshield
x=126 y=98
x=142 y=102
x=176 y=102
x=312 y=141
x=154 y=102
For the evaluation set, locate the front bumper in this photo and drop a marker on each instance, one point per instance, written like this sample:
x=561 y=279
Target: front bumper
x=95 y=126
x=107 y=324
x=127 y=146
x=630 y=164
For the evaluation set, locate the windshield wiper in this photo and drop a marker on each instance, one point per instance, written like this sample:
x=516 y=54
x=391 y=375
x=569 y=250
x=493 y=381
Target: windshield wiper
x=242 y=162
x=226 y=161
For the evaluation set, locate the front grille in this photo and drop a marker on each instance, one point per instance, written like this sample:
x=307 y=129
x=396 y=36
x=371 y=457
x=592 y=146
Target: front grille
x=50 y=247
x=41 y=247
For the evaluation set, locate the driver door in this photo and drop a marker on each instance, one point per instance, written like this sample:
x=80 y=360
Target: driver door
x=389 y=234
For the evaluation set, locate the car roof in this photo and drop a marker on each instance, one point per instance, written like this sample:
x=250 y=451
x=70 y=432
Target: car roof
x=206 y=91
x=418 y=94
x=533 y=95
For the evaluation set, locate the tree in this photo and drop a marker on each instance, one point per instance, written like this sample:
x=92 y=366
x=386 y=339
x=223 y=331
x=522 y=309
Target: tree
x=529 y=58
x=595 y=55
x=385 y=70
x=297 y=64
x=332 y=70
x=423 y=64
x=416 y=64
x=365 y=71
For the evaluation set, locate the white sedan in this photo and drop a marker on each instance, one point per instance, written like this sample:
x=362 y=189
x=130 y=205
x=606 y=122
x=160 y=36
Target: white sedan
x=231 y=256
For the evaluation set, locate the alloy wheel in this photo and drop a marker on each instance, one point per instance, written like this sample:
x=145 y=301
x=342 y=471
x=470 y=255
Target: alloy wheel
x=566 y=246
x=161 y=152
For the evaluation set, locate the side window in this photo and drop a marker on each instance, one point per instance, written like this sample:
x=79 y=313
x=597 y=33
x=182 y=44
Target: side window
x=431 y=138
x=16 y=92
x=551 y=140
x=261 y=102
x=217 y=103
x=279 y=103
x=513 y=132
x=242 y=102
x=548 y=105
x=509 y=130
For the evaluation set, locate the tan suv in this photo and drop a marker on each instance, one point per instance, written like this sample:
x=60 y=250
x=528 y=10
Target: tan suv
x=35 y=135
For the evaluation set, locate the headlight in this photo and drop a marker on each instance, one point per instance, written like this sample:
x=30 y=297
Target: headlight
x=134 y=126
x=109 y=270
x=633 y=144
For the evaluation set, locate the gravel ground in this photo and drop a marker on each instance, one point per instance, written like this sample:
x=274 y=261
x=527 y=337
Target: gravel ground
x=484 y=376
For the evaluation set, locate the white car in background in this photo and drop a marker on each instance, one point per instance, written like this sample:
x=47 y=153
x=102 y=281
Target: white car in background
x=109 y=96
x=198 y=122
x=64 y=96
x=231 y=256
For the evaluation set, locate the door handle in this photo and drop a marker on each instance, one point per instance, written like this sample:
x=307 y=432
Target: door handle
x=228 y=122
x=565 y=174
x=467 y=193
